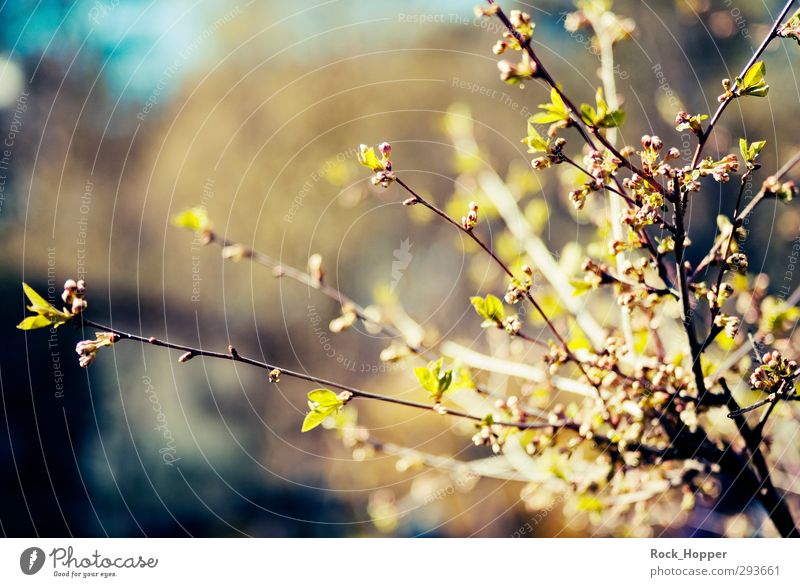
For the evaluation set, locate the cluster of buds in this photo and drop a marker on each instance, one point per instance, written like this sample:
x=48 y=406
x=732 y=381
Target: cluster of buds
x=523 y=26
x=715 y=297
x=791 y=28
x=512 y=324
x=489 y=434
x=601 y=165
x=470 y=221
x=555 y=357
x=514 y=73
x=511 y=405
x=596 y=274
x=631 y=298
x=728 y=91
x=783 y=191
x=381 y=166
x=730 y=324
x=685 y=121
x=87 y=349
x=555 y=155
x=614 y=347
x=738 y=262
x=578 y=196
x=481 y=11
x=517 y=290
x=73 y=296
x=638 y=218
x=719 y=170
x=773 y=370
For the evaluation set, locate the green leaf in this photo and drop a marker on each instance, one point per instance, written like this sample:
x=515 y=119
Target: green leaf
x=490 y=309
x=750 y=152
x=753 y=82
x=555 y=111
x=433 y=379
x=546 y=117
x=588 y=114
x=314 y=419
x=322 y=403
x=601 y=117
x=535 y=141
x=580 y=286
x=195 y=219
x=368 y=158
x=34 y=322
x=612 y=119
x=46 y=314
x=35 y=299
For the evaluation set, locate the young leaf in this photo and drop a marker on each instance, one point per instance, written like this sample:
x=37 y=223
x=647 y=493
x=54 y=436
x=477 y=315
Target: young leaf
x=46 y=314
x=322 y=403
x=490 y=309
x=601 y=117
x=750 y=152
x=555 y=111
x=433 y=379
x=195 y=219
x=753 y=82
x=34 y=322
x=368 y=158
x=535 y=141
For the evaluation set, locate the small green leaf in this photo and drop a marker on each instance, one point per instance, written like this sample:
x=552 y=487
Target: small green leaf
x=612 y=119
x=314 y=419
x=753 y=82
x=588 y=114
x=368 y=158
x=433 y=379
x=195 y=219
x=490 y=309
x=35 y=299
x=555 y=111
x=322 y=403
x=535 y=141
x=34 y=322
x=46 y=313
x=581 y=286
x=750 y=152
x=546 y=117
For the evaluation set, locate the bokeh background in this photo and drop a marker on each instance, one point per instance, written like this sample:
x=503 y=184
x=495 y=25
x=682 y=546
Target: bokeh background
x=116 y=114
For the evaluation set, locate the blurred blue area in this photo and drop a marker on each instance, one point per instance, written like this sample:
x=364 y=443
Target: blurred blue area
x=134 y=40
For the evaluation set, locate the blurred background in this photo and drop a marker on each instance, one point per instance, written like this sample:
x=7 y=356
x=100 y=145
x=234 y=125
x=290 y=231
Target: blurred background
x=117 y=114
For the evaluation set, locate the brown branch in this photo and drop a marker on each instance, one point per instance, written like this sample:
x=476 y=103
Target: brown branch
x=283 y=270
x=770 y=498
x=469 y=232
x=773 y=33
x=234 y=356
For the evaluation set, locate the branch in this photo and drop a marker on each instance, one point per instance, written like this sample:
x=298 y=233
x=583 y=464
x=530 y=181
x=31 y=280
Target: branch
x=282 y=270
x=416 y=198
x=587 y=131
x=773 y=33
x=234 y=356
x=773 y=502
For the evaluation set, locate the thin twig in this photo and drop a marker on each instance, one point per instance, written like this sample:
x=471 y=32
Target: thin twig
x=773 y=33
x=469 y=232
x=233 y=355
x=284 y=270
